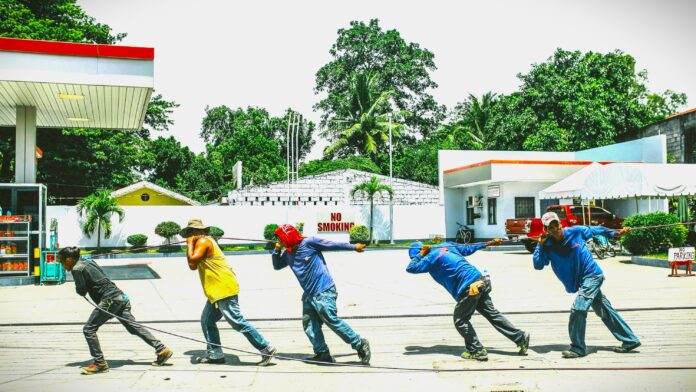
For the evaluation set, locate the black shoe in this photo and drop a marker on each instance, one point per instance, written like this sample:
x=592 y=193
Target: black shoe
x=623 y=350
x=322 y=357
x=524 y=344
x=211 y=361
x=364 y=352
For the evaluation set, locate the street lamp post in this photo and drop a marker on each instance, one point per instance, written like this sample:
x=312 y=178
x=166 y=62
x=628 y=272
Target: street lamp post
x=391 y=184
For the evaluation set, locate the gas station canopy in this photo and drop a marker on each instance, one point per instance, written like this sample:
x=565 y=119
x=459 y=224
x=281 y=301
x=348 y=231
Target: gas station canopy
x=48 y=84
x=75 y=85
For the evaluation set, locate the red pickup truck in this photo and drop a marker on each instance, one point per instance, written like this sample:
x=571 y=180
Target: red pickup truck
x=570 y=215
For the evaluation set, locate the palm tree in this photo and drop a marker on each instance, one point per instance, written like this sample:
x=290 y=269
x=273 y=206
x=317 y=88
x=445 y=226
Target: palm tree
x=97 y=209
x=366 y=128
x=472 y=117
x=369 y=189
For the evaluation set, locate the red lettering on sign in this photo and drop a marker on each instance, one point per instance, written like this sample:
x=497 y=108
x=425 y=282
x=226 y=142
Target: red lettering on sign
x=335 y=216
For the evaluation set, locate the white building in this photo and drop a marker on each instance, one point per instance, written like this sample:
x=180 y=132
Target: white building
x=482 y=189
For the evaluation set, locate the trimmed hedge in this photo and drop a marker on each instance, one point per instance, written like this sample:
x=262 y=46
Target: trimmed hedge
x=655 y=240
x=269 y=234
x=167 y=230
x=216 y=232
x=359 y=233
x=137 y=240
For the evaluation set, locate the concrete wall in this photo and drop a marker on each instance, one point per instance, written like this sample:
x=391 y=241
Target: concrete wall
x=679 y=132
x=649 y=150
x=410 y=222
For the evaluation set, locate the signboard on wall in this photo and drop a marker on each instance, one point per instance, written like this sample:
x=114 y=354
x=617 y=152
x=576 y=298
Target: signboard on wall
x=335 y=221
x=493 y=190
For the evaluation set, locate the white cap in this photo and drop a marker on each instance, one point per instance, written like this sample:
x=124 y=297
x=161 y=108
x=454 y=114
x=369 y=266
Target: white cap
x=549 y=217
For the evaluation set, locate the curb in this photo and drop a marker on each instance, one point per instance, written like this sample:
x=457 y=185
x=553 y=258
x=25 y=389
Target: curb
x=650 y=261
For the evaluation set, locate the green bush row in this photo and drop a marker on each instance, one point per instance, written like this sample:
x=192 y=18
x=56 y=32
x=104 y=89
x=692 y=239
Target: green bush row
x=653 y=240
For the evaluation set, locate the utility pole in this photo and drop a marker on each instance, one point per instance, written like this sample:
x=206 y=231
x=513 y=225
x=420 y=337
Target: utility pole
x=391 y=184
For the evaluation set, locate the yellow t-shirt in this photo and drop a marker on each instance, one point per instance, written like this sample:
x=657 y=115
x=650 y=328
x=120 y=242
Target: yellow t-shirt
x=217 y=277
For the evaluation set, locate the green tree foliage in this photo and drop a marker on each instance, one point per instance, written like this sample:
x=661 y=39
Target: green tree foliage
x=366 y=129
x=54 y=20
x=254 y=137
x=269 y=234
x=137 y=240
x=167 y=230
x=97 y=209
x=324 y=165
x=575 y=101
x=654 y=240
x=359 y=233
x=216 y=232
x=401 y=67
x=370 y=189
x=77 y=162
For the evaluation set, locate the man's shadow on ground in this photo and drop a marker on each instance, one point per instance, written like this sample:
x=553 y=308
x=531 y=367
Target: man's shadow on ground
x=303 y=357
x=547 y=348
x=449 y=350
x=113 y=363
x=230 y=359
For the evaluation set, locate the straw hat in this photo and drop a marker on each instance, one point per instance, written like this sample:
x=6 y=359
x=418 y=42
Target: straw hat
x=194 y=224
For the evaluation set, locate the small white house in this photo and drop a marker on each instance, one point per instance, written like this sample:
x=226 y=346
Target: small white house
x=481 y=189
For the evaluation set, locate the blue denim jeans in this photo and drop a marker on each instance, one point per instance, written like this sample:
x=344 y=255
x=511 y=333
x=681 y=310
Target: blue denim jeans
x=590 y=295
x=321 y=309
x=229 y=308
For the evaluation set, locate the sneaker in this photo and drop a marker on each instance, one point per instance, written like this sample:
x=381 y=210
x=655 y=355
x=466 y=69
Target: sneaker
x=95 y=368
x=571 y=354
x=524 y=344
x=267 y=355
x=480 y=355
x=623 y=350
x=162 y=357
x=211 y=361
x=364 y=352
x=322 y=357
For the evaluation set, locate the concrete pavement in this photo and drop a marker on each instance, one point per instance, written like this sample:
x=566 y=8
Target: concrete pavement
x=44 y=352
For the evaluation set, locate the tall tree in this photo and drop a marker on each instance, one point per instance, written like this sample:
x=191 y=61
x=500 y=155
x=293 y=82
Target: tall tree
x=370 y=190
x=471 y=116
x=54 y=20
x=254 y=137
x=366 y=129
x=402 y=67
x=575 y=101
x=97 y=209
x=77 y=161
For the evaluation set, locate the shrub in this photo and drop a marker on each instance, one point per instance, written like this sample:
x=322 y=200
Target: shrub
x=359 y=233
x=137 y=240
x=216 y=232
x=655 y=240
x=167 y=230
x=269 y=234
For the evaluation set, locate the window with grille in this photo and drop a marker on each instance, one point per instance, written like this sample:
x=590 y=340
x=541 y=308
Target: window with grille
x=524 y=207
x=492 y=207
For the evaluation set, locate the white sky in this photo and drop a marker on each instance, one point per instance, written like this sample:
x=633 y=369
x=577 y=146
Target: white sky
x=266 y=53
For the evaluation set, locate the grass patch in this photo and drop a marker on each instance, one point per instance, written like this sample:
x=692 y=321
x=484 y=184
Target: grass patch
x=658 y=256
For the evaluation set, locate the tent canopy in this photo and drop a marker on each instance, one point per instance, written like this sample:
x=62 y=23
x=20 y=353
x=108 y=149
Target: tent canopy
x=623 y=180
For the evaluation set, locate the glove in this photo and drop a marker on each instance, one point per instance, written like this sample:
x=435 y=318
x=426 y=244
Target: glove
x=425 y=250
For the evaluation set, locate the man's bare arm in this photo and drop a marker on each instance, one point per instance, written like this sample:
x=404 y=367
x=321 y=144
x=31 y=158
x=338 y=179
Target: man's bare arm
x=197 y=251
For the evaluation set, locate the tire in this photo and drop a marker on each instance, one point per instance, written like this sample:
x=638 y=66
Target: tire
x=463 y=236
x=599 y=251
x=530 y=246
x=611 y=251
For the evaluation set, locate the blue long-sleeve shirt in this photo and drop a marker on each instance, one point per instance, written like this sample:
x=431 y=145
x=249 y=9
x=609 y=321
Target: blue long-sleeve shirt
x=448 y=267
x=570 y=258
x=307 y=263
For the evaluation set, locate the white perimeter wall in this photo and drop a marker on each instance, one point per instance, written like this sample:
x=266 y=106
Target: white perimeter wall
x=410 y=221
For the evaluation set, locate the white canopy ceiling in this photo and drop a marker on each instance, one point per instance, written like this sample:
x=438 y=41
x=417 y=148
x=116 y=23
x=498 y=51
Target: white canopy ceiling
x=75 y=85
x=622 y=180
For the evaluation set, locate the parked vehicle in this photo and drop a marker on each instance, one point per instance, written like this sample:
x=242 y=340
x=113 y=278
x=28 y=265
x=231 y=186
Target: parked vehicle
x=570 y=215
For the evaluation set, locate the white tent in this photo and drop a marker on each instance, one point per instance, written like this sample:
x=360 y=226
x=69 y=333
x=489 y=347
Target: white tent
x=623 y=180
